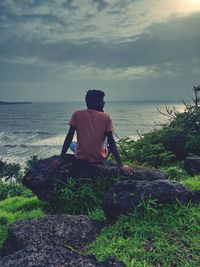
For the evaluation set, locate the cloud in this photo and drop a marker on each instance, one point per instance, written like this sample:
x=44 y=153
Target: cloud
x=69 y=5
x=100 y=4
x=125 y=45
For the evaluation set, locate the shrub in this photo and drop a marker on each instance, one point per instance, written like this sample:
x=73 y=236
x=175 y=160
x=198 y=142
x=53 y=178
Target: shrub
x=144 y=152
x=175 y=172
x=31 y=162
x=13 y=189
x=178 y=137
x=8 y=171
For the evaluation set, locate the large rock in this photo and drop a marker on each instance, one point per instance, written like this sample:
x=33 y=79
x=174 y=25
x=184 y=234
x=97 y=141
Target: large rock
x=192 y=165
x=50 y=256
x=42 y=182
x=54 y=230
x=52 y=241
x=124 y=196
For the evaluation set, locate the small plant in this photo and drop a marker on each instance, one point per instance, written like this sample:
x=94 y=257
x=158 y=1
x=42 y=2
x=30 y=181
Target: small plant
x=31 y=162
x=13 y=189
x=81 y=196
x=175 y=172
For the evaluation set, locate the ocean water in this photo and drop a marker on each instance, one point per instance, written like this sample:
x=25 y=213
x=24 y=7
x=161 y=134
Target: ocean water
x=40 y=128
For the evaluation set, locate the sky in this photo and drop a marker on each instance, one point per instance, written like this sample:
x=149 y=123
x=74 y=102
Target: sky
x=55 y=50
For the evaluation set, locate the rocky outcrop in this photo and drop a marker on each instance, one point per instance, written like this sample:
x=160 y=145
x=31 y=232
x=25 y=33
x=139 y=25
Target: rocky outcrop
x=42 y=182
x=49 y=256
x=55 y=230
x=192 y=165
x=124 y=196
x=52 y=241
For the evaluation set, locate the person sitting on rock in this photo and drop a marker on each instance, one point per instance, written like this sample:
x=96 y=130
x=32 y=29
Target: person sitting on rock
x=92 y=125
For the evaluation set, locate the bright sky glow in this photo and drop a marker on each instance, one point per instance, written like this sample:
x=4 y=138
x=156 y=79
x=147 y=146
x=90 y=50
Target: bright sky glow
x=187 y=5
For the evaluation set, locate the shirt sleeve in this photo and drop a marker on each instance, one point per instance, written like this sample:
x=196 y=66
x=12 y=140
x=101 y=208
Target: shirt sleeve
x=109 y=126
x=73 y=120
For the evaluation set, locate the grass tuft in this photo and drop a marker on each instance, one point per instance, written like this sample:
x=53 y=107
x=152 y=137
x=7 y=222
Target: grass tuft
x=18 y=208
x=192 y=182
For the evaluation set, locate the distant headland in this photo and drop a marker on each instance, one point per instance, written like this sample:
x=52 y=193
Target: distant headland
x=13 y=103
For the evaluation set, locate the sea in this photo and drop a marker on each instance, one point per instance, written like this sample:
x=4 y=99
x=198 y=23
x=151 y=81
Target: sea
x=40 y=128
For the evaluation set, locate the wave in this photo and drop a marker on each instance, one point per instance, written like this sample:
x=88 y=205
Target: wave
x=28 y=146
x=51 y=141
x=31 y=132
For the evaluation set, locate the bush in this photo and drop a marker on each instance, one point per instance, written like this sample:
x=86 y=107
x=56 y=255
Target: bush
x=178 y=138
x=143 y=151
x=175 y=172
x=13 y=189
x=8 y=171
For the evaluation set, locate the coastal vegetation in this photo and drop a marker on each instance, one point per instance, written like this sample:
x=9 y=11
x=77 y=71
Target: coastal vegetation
x=177 y=138
x=155 y=235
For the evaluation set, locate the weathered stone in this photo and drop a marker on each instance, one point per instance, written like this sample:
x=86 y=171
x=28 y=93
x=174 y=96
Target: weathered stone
x=124 y=196
x=54 y=230
x=192 y=165
x=51 y=256
x=52 y=241
x=42 y=182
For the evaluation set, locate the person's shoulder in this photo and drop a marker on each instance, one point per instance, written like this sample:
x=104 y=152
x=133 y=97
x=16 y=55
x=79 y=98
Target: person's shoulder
x=77 y=112
x=106 y=115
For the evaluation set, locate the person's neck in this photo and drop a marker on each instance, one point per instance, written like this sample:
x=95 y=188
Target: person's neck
x=96 y=109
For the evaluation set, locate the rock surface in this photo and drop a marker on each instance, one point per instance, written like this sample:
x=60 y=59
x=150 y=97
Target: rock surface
x=124 y=196
x=50 y=256
x=192 y=165
x=55 y=230
x=52 y=241
x=42 y=183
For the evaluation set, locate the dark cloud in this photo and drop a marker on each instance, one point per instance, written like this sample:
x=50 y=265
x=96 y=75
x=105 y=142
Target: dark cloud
x=100 y=4
x=32 y=3
x=69 y=5
x=41 y=18
x=152 y=48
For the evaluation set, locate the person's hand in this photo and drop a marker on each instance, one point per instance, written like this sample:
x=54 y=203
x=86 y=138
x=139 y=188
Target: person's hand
x=127 y=169
x=55 y=164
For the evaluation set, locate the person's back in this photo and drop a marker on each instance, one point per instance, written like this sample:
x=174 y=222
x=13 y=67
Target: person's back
x=91 y=126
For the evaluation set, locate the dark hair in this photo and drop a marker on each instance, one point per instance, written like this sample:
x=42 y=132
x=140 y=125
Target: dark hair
x=94 y=99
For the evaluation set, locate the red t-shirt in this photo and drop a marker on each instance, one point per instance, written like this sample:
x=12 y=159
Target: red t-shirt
x=91 y=126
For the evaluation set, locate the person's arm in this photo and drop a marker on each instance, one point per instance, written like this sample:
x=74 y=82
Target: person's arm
x=65 y=147
x=68 y=140
x=112 y=144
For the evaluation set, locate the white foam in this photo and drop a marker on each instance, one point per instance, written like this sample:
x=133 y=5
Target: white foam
x=52 y=141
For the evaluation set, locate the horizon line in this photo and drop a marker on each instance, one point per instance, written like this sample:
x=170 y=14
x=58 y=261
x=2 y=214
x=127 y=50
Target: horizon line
x=83 y=101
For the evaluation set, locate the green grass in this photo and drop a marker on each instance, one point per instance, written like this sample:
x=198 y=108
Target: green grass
x=18 y=208
x=160 y=236
x=192 y=182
